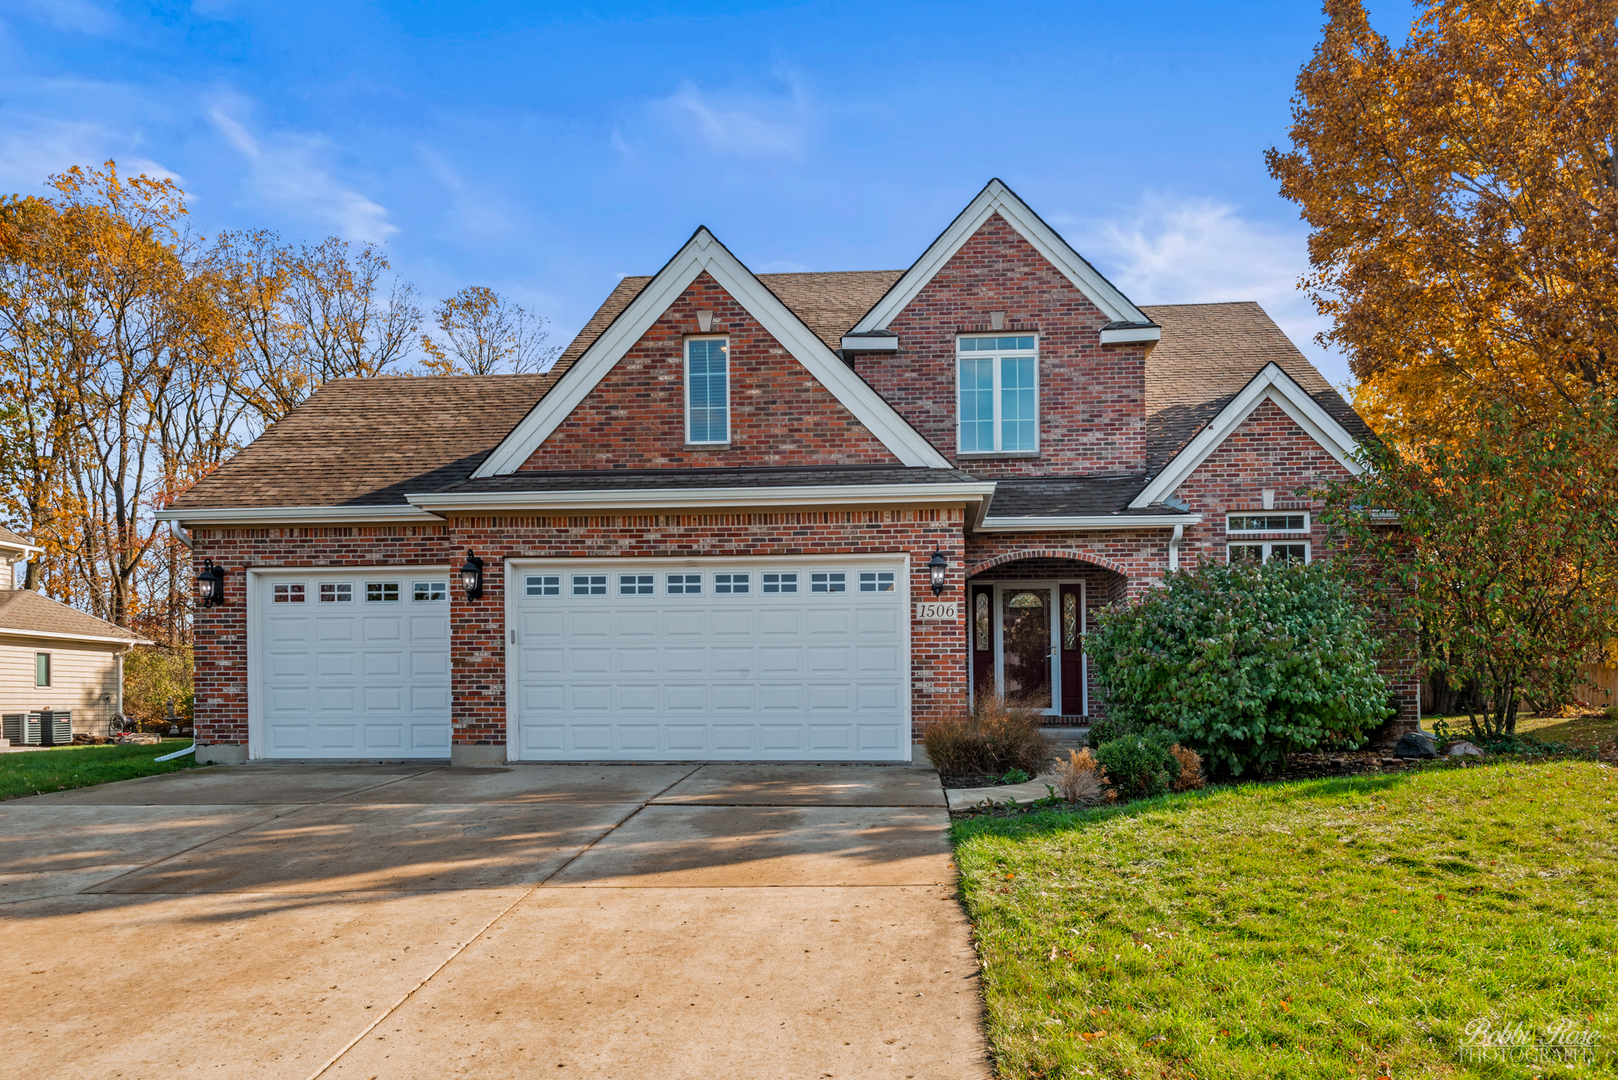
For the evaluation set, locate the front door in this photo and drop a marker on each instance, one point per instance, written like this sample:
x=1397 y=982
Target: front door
x=1026 y=676
x=1027 y=644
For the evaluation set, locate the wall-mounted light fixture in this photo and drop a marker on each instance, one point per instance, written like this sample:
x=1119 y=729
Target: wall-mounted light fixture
x=211 y=584
x=472 y=575
x=937 y=566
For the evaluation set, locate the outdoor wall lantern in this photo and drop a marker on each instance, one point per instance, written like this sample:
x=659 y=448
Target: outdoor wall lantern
x=472 y=575
x=211 y=584
x=936 y=567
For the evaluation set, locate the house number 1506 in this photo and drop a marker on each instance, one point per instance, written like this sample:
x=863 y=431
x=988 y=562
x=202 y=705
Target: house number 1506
x=935 y=610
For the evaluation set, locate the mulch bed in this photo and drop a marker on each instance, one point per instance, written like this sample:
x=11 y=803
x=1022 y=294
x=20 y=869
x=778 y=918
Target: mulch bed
x=966 y=780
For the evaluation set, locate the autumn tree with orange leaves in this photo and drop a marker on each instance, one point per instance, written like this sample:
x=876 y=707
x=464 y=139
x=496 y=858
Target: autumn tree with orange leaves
x=1462 y=196
x=135 y=356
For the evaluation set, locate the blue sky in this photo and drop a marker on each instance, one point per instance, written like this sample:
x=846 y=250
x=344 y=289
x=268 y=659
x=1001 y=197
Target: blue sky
x=545 y=150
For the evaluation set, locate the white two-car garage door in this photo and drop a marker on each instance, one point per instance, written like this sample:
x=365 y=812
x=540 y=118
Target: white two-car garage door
x=351 y=664
x=709 y=659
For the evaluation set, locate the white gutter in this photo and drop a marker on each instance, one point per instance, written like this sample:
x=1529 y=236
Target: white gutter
x=818 y=495
x=1127 y=335
x=17 y=631
x=302 y=515
x=1095 y=522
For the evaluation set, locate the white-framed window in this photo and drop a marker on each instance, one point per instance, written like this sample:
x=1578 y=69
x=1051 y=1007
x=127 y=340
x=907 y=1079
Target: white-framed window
x=876 y=581
x=42 y=669
x=426 y=592
x=336 y=592
x=1267 y=521
x=589 y=584
x=829 y=582
x=997 y=397
x=381 y=592
x=290 y=592
x=707 y=390
x=684 y=584
x=543 y=585
x=636 y=584
x=781 y=583
x=732 y=584
x=1254 y=551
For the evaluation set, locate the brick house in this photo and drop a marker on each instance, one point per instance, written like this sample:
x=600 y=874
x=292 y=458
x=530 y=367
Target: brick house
x=752 y=516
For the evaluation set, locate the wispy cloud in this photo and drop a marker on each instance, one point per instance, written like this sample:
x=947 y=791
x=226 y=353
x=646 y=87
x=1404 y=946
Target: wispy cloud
x=291 y=171
x=741 y=124
x=471 y=213
x=1169 y=250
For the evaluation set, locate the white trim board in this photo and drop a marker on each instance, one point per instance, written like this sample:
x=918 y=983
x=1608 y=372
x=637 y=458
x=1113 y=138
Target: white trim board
x=1270 y=384
x=676 y=498
x=55 y=635
x=1092 y=523
x=391 y=514
x=996 y=197
x=705 y=253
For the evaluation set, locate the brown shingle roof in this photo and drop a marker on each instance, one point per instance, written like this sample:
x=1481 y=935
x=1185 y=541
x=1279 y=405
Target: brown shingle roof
x=24 y=611
x=368 y=442
x=12 y=539
x=1208 y=353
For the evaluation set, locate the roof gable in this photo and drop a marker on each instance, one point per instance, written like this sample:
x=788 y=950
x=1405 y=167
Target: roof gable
x=703 y=253
x=25 y=612
x=997 y=198
x=779 y=413
x=1270 y=384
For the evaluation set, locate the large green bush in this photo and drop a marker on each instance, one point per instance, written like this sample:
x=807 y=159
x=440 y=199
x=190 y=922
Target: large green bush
x=1243 y=663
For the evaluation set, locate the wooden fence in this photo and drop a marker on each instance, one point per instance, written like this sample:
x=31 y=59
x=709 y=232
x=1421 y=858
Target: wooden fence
x=1597 y=686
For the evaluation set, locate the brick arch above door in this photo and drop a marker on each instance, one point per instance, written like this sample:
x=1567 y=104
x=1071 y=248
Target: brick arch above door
x=1047 y=553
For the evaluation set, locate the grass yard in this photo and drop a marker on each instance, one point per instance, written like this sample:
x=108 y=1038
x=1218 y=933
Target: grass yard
x=37 y=772
x=1588 y=732
x=1326 y=928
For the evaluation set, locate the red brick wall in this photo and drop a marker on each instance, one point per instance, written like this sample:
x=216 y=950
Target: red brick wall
x=1092 y=398
x=938 y=650
x=780 y=414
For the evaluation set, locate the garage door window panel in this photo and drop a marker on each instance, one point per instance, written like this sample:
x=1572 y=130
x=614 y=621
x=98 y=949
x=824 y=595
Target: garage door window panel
x=336 y=592
x=381 y=592
x=288 y=593
x=780 y=584
x=684 y=584
x=430 y=592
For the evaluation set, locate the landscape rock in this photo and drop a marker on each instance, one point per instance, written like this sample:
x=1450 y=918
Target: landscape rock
x=139 y=738
x=1462 y=749
x=1416 y=744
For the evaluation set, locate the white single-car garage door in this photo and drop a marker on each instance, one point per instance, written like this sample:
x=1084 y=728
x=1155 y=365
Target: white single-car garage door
x=352 y=664
x=709 y=659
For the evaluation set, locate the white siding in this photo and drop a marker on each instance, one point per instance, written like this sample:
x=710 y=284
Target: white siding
x=81 y=675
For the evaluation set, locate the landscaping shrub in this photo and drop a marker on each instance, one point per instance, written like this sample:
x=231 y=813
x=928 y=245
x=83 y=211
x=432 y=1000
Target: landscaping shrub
x=1190 y=763
x=1243 y=663
x=993 y=738
x=1110 y=727
x=1081 y=779
x=1138 y=766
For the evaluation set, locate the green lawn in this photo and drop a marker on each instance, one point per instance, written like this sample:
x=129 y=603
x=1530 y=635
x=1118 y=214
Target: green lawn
x=1329 y=928
x=37 y=772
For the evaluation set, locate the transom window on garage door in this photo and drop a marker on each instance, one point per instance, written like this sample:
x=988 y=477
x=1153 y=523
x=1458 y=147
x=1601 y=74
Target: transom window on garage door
x=717 y=583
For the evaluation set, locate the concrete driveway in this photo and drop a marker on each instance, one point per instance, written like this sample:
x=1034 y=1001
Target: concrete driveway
x=664 y=921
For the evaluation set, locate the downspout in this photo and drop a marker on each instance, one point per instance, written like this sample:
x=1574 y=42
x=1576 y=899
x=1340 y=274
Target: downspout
x=1174 y=547
x=180 y=535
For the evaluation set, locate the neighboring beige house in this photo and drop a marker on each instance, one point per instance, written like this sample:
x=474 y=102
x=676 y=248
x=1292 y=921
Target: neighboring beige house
x=53 y=657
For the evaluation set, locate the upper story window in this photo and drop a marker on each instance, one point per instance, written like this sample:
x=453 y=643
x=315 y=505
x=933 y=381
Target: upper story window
x=1267 y=523
x=998 y=394
x=707 y=390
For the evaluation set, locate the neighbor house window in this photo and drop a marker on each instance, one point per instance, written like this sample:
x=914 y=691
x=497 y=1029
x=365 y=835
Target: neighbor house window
x=707 y=390
x=42 y=669
x=1263 y=553
x=998 y=394
x=1267 y=523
